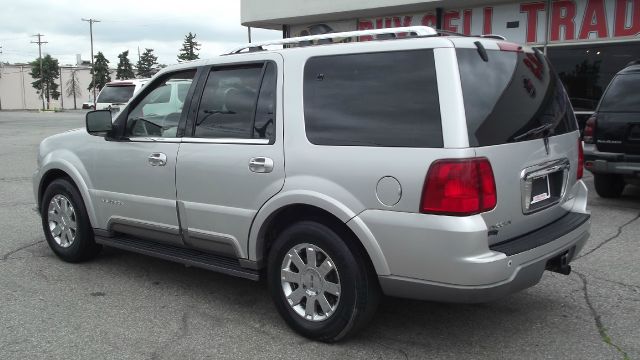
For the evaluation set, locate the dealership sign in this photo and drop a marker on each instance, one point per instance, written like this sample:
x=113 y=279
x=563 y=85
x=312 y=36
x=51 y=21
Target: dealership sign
x=568 y=20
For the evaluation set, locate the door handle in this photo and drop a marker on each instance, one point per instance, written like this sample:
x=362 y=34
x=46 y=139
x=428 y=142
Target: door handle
x=261 y=165
x=157 y=159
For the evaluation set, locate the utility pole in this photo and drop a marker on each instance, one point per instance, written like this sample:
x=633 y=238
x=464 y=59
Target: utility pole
x=1 y=67
x=61 y=90
x=40 y=42
x=91 y=21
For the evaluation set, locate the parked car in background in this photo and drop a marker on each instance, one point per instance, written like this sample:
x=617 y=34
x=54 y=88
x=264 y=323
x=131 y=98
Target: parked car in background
x=399 y=179
x=612 y=135
x=116 y=94
x=89 y=104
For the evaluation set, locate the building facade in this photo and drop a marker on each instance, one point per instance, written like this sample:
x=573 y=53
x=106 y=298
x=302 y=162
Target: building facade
x=17 y=92
x=587 y=41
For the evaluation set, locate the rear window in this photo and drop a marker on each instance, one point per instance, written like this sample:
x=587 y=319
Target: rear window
x=623 y=94
x=373 y=99
x=116 y=94
x=514 y=96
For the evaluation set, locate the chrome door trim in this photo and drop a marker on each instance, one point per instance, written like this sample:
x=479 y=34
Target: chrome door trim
x=202 y=140
x=225 y=141
x=155 y=139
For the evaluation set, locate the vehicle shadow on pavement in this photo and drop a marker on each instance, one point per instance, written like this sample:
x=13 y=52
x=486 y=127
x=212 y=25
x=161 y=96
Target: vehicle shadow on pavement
x=532 y=319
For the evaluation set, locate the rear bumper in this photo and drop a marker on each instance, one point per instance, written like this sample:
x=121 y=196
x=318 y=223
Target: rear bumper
x=449 y=259
x=524 y=275
x=599 y=162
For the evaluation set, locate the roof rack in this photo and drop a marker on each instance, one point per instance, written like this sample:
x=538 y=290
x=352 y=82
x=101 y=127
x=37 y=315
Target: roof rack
x=417 y=30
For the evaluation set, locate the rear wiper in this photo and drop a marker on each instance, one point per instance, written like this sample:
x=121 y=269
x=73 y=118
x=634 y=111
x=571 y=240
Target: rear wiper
x=535 y=131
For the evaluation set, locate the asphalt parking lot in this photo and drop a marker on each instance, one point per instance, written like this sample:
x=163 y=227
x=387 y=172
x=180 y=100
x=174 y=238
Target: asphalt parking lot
x=123 y=305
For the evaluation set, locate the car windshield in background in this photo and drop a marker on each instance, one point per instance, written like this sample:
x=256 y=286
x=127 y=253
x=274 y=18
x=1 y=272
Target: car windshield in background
x=116 y=94
x=513 y=96
x=623 y=94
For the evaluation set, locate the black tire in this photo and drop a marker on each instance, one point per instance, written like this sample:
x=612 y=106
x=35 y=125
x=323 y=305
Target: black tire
x=360 y=290
x=83 y=247
x=609 y=185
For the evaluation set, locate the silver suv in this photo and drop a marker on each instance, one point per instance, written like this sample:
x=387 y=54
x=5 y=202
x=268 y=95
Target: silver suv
x=442 y=168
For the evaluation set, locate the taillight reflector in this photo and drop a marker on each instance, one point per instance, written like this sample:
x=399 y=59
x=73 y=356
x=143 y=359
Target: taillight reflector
x=589 y=130
x=459 y=187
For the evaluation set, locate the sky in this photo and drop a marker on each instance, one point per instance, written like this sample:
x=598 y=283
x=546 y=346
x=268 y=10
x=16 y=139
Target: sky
x=124 y=25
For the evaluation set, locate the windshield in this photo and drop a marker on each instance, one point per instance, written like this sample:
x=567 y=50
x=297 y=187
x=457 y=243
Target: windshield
x=116 y=94
x=623 y=94
x=511 y=97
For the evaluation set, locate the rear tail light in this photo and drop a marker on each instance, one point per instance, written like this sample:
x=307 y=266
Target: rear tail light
x=459 y=187
x=580 y=170
x=589 y=130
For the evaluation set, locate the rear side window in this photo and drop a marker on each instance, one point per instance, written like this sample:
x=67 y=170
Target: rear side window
x=228 y=103
x=514 y=96
x=116 y=94
x=373 y=99
x=623 y=95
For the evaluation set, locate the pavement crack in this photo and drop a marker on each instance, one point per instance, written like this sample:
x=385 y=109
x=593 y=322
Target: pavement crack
x=602 y=330
x=182 y=332
x=6 y=256
x=610 y=238
x=401 y=351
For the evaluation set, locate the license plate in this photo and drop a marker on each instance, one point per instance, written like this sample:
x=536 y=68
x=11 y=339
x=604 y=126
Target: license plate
x=540 y=189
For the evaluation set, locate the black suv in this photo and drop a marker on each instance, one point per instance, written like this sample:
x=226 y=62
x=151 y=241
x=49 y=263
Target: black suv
x=612 y=135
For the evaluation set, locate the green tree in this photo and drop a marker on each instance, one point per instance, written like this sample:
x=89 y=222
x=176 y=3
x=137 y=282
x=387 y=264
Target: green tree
x=73 y=87
x=146 y=64
x=124 y=70
x=100 y=72
x=189 y=48
x=46 y=84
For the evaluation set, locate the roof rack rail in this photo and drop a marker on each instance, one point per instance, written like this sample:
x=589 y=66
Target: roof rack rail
x=417 y=30
x=493 y=36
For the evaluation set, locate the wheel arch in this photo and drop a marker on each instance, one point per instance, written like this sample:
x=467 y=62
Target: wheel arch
x=65 y=169
x=286 y=209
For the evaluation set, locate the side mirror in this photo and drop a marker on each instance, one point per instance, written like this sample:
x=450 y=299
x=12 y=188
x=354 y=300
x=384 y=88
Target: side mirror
x=99 y=122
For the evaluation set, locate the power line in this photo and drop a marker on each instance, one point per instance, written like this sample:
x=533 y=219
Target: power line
x=93 y=82
x=40 y=42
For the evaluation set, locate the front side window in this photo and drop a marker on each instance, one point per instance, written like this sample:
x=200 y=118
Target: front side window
x=228 y=104
x=373 y=99
x=159 y=112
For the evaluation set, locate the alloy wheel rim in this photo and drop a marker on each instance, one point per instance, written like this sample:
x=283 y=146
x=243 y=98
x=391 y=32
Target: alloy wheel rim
x=62 y=220
x=310 y=282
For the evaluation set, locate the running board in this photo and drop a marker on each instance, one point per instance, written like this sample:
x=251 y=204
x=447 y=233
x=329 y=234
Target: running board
x=217 y=263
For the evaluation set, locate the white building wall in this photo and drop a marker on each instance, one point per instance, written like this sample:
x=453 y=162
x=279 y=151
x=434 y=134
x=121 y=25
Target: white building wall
x=17 y=93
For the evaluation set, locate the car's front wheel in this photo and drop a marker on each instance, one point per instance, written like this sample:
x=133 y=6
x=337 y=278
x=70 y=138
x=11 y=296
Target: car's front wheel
x=66 y=224
x=321 y=283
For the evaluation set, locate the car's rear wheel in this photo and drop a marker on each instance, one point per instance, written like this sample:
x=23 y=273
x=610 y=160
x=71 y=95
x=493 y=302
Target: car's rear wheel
x=321 y=283
x=66 y=224
x=609 y=185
